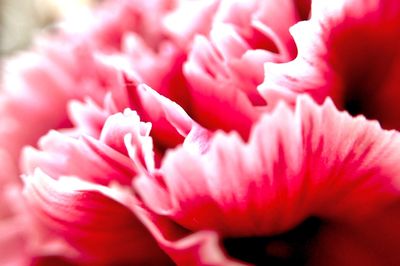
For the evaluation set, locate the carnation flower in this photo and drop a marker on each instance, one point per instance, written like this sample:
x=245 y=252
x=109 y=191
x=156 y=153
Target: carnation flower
x=166 y=131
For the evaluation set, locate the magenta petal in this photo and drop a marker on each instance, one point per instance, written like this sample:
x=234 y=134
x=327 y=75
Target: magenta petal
x=224 y=67
x=88 y=118
x=12 y=243
x=118 y=125
x=277 y=17
x=102 y=160
x=295 y=165
x=22 y=238
x=149 y=109
x=200 y=15
x=216 y=103
x=200 y=248
x=89 y=218
x=303 y=8
x=38 y=86
x=334 y=59
x=87 y=158
x=167 y=109
x=306 y=74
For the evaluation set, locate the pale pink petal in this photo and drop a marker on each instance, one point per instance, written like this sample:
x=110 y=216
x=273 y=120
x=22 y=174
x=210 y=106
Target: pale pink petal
x=305 y=74
x=161 y=69
x=106 y=27
x=118 y=125
x=37 y=87
x=82 y=157
x=101 y=160
x=87 y=117
x=189 y=19
x=263 y=24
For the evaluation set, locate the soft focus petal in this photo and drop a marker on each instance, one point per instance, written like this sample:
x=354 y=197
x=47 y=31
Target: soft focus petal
x=106 y=27
x=22 y=238
x=100 y=160
x=189 y=19
x=12 y=243
x=8 y=175
x=37 y=87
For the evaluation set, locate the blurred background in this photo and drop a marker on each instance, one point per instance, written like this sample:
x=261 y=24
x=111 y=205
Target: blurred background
x=20 y=20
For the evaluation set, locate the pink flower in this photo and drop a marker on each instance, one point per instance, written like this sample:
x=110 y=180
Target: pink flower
x=303 y=189
x=348 y=50
x=148 y=133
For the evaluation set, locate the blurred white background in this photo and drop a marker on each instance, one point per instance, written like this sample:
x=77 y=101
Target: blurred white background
x=22 y=19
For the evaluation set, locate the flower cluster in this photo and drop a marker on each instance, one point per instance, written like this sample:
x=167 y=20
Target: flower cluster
x=205 y=132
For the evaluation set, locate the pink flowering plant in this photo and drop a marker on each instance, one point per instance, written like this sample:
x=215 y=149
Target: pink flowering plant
x=205 y=132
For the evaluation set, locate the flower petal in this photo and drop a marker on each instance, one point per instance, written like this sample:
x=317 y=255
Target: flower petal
x=314 y=161
x=91 y=219
x=102 y=161
x=335 y=59
x=216 y=102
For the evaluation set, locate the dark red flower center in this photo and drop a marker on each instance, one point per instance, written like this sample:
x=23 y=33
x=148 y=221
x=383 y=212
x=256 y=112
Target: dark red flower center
x=364 y=55
x=290 y=248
